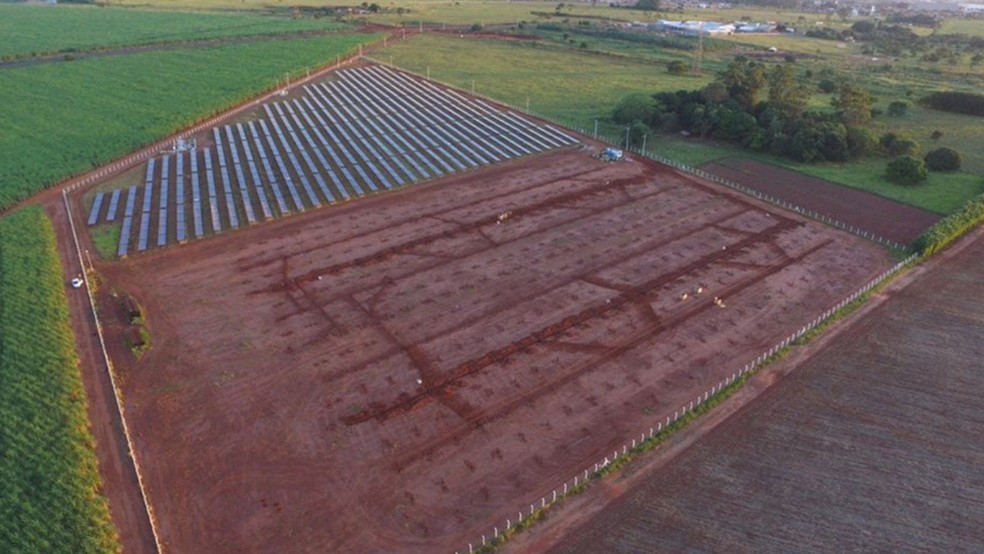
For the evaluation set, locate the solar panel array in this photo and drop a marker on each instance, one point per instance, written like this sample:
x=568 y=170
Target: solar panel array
x=372 y=129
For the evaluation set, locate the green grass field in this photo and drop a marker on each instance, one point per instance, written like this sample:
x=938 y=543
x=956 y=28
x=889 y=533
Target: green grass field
x=61 y=119
x=51 y=498
x=577 y=86
x=567 y=84
x=972 y=27
x=70 y=28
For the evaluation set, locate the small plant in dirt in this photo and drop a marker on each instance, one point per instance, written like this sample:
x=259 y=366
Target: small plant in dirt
x=943 y=159
x=906 y=170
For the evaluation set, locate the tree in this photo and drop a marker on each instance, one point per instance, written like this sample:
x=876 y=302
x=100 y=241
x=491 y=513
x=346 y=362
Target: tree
x=898 y=108
x=805 y=144
x=637 y=130
x=906 y=170
x=714 y=93
x=636 y=107
x=860 y=142
x=788 y=96
x=854 y=104
x=863 y=27
x=937 y=135
x=744 y=80
x=647 y=5
x=943 y=159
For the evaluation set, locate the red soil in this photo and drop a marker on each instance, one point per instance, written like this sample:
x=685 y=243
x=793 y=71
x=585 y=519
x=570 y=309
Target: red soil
x=869 y=212
x=402 y=372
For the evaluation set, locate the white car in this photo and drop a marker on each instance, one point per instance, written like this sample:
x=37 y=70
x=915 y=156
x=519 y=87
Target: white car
x=77 y=282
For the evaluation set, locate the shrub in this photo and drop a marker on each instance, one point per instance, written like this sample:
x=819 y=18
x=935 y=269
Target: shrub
x=635 y=107
x=943 y=159
x=860 y=142
x=951 y=227
x=958 y=102
x=676 y=67
x=898 y=108
x=904 y=146
x=906 y=170
x=827 y=85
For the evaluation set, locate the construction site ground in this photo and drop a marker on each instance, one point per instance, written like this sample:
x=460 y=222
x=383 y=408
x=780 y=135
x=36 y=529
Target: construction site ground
x=403 y=372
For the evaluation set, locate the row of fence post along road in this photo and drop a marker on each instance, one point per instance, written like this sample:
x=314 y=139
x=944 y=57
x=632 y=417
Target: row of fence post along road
x=637 y=442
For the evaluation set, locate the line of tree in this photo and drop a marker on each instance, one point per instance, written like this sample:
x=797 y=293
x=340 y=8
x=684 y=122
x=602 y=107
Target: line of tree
x=966 y=103
x=765 y=108
x=951 y=227
x=762 y=109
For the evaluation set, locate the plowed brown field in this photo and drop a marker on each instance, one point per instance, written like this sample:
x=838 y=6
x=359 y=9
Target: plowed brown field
x=874 y=445
x=869 y=212
x=402 y=372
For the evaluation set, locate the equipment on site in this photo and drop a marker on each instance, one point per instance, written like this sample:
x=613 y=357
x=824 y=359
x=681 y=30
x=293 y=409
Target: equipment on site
x=610 y=155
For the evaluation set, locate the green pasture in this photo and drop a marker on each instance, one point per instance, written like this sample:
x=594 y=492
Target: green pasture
x=942 y=193
x=57 y=120
x=457 y=12
x=570 y=85
x=72 y=28
x=793 y=43
x=973 y=27
x=51 y=499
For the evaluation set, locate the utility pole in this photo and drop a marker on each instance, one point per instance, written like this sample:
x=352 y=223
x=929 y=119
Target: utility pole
x=700 y=46
x=596 y=129
x=527 y=104
x=626 y=138
x=644 y=144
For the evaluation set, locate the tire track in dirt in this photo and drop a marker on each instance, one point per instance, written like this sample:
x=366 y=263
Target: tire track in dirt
x=494 y=412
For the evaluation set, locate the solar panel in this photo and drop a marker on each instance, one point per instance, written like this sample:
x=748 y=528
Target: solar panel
x=96 y=206
x=251 y=164
x=271 y=177
x=285 y=146
x=346 y=175
x=162 y=217
x=312 y=167
x=162 y=228
x=213 y=198
x=240 y=178
x=124 y=246
x=114 y=202
x=180 y=231
x=165 y=183
x=144 y=231
x=179 y=183
x=196 y=198
x=149 y=179
x=275 y=154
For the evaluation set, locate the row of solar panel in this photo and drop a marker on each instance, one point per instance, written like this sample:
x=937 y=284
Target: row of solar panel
x=373 y=129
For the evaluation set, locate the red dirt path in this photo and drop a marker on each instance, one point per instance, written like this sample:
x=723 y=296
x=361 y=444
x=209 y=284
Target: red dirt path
x=869 y=212
x=401 y=373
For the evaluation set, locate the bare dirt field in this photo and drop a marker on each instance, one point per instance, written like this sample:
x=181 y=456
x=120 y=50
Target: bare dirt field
x=870 y=212
x=402 y=372
x=873 y=445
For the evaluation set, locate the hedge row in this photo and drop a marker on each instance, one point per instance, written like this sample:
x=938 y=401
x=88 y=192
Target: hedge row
x=951 y=227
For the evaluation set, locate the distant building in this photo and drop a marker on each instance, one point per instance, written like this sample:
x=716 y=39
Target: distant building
x=743 y=27
x=693 y=28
